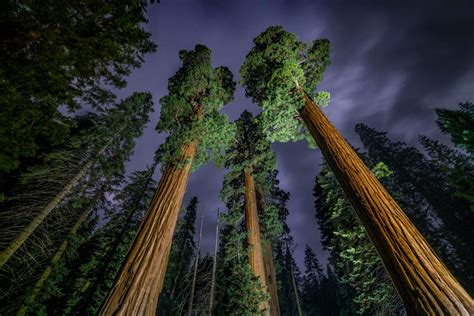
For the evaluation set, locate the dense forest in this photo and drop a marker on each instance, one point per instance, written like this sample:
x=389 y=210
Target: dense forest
x=82 y=235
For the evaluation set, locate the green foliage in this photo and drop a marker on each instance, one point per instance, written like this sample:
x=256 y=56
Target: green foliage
x=352 y=253
x=190 y=111
x=251 y=150
x=458 y=167
x=274 y=70
x=61 y=54
x=428 y=189
x=459 y=125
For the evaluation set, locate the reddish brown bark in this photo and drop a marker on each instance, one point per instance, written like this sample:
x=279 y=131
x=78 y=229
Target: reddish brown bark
x=253 y=231
x=271 y=278
x=140 y=280
x=422 y=280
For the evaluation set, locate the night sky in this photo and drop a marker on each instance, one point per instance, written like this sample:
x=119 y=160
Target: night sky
x=392 y=64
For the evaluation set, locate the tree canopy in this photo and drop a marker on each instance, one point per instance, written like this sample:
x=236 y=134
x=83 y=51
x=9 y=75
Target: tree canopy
x=275 y=67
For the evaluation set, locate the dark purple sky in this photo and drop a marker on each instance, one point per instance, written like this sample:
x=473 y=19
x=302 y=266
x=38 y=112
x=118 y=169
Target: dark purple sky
x=392 y=64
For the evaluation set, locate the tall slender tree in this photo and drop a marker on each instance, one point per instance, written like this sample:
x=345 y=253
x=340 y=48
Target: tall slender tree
x=313 y=275
x=459 y=124
x=198 y=133
x=279 y=74
x=251 y=163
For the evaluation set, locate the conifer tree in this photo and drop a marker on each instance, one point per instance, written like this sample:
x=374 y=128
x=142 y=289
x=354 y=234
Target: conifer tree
x=459 y=124
x=280 y=74
x=58 y=53
x=251 y=163
x=107 y=145
x=313 y=275
x=413 y=175
x=198 y=133
x=352 y=254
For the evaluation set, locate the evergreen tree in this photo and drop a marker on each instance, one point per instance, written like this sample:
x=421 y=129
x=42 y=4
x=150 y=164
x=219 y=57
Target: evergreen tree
x=198 y=133
x=312 y=278
x=457 y=166
x=176 y=285
x=425 y=183
x=279 y=74
x=100 y=152
x=459 y=124
x=352 y=253
x=55 y=53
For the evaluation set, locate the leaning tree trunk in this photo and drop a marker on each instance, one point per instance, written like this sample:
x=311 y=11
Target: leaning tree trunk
x=196 y=264
x=253 y=232
x=293 y=283
x=271 y=278
x=424 y=283
x=58 y=255
x=8 y=252
x=140 y=280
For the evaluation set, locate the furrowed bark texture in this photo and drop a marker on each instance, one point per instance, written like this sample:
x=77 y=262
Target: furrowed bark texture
x=140 y=280
x=271 y=278
x=424 y=283
x=8 y=252
x=253 y=231
x=57 y=256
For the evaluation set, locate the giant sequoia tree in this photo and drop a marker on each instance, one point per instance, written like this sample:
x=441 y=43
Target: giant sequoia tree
x=251 y=163
x=280 y=74
x=198 y=133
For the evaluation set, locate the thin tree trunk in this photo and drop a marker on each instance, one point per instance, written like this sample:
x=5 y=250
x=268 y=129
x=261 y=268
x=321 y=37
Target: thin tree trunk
x=196 y=264
x=214 y=267
x=424 y=283
x=253 y=232
x=293 y=282
x=271 y=278
x=58 y=255
x=82 y=308
x=140 y=280
x=8 y=252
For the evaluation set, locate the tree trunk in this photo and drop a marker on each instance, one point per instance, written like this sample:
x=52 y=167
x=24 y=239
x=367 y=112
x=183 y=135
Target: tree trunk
x=58 y=255
x=293 y=283
x=271 y=278
x=140 y=280
x=422 y=280
x=83 y=306
x=253 y=232
x=214 y=267
x=196 y=264
x=8 y=252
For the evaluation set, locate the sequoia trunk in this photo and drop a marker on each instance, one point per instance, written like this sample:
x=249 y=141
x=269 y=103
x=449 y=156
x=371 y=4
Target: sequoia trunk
x=140 y=280
x=271 y=278
x=253 y=232
x=422 y=280
x=6 y=254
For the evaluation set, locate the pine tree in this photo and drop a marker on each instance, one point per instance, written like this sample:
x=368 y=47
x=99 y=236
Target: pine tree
x=459 y=124
x=198 y=133
x=312 y=278
x=352 y=254
x=107 y=145
x=57 y=53
x=279 y=74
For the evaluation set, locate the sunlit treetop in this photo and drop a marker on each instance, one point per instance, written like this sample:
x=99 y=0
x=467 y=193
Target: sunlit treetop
x=190 y=111
x=277 y=65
